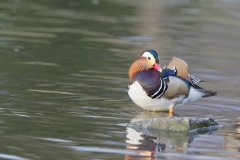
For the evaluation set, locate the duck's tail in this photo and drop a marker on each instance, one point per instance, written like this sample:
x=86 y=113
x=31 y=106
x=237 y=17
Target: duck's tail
x=208 y=93
x=197 y=92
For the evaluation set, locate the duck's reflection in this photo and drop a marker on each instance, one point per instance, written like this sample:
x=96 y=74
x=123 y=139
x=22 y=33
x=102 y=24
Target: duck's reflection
x=147 y=145
x=149 y=142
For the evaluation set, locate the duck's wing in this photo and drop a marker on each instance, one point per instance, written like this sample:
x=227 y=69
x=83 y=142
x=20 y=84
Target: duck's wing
x=177 y=77
x=181 y=67
x=182 y=70
x=177 y=87
x=194 y=79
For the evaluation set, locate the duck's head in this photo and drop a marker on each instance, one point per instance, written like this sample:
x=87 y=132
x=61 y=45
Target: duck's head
x=148 y=60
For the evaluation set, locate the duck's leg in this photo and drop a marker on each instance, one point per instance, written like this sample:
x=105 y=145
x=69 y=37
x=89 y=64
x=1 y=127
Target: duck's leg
x=170 y=111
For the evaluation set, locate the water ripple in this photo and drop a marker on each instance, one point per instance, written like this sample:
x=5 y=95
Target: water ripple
x=11 y=157
x=102 y=150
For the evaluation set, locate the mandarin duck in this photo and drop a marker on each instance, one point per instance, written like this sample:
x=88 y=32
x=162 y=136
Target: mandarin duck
x=156 y=89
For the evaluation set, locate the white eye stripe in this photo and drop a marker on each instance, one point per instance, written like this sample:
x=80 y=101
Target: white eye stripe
x=147 y=54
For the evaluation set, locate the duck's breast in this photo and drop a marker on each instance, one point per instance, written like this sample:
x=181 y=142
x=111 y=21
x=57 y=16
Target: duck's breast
x=151 y=82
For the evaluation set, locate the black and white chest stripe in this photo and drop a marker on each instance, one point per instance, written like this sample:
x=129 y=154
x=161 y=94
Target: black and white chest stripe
x=161 y=90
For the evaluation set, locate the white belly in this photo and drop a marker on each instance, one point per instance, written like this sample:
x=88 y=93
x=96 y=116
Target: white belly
x=139 y=97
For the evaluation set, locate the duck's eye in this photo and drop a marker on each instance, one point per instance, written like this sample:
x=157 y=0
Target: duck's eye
x=149 y=58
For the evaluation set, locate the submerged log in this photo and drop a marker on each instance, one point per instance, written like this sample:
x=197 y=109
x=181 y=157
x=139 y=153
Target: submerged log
x=175 y=124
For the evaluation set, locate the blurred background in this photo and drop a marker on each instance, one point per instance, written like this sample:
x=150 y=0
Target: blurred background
x=63 y=77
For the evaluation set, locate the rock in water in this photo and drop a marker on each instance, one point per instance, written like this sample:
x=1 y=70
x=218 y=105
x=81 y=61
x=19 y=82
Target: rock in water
x=175 y=124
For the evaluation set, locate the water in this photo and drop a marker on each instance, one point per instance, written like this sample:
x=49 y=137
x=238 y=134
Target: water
x=63 y=77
